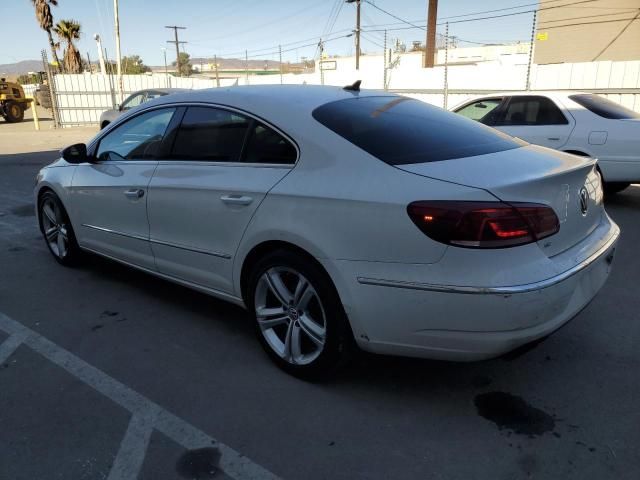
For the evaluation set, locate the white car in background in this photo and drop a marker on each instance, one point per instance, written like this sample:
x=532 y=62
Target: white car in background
x=335 y=216
x=580 y=123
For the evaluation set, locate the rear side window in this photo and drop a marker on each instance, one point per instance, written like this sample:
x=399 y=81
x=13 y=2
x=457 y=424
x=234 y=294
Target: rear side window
x=603 y=107
x=210 y=134
x=531 y=110
x=401 y=131
x=481 y=110
x=268 y=146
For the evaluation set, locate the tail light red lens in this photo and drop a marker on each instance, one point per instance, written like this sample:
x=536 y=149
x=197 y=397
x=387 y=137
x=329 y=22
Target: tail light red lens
x=484 y=224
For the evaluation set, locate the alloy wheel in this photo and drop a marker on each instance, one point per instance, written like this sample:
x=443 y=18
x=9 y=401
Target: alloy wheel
x=55 y=229
x=290 y=315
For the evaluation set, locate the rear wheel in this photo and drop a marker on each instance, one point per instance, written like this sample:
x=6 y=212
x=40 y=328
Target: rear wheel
x=14 y=112
x=611 y=188
x=57 y=230
x=299 y=318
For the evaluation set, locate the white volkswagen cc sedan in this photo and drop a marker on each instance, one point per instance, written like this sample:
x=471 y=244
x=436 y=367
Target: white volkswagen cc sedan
x=580 y=123
x=339 y=217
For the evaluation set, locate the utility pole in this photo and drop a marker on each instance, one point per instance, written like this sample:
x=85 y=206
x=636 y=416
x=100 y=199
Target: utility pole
x=177 y=43
x=430 y=46
x=215 y=63
x=166 y=74
x=384 y=62
x=118 y=55
x=246 y=66
x=280 y=56
x=103 y=67
x=89 y=62
x=321 y=45
x=533 y=38
x=446 y=66
x=357 y=32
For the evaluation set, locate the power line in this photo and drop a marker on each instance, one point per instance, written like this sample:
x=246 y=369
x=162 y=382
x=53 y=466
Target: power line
x=593 y=23
x=617 y=36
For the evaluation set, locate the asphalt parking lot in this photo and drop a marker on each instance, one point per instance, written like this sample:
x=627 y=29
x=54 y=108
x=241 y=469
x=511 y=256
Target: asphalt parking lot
x=109 y=373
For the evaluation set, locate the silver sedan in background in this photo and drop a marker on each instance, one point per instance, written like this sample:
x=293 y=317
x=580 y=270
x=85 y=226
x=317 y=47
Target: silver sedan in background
x=133 y=100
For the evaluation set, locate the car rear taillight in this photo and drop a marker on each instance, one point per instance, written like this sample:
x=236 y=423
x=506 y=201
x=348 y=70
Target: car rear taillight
x=484 y=224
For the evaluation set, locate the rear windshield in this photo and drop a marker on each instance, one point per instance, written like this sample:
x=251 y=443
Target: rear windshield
x=603 y=107
x=401 y=131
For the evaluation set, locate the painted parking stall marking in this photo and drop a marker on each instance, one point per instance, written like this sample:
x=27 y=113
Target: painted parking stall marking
x=146 y=414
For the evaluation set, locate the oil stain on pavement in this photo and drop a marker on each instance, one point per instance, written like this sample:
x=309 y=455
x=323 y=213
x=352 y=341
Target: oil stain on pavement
x=510 y=412
x=199 y=464
x=27 y=210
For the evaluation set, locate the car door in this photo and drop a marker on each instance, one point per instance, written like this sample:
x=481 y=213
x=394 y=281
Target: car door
x=535 y=119
x=110 y=193
x=202 y=197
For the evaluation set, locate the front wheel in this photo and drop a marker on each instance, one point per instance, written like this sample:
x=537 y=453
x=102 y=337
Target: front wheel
x=57 y=230
x=299 y=318
x=14 y=112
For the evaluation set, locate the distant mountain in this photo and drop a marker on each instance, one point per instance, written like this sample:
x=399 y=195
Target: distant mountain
x=15 y=69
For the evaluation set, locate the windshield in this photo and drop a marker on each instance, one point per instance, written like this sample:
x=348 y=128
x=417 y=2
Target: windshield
x=400 y=130
x=603 y=107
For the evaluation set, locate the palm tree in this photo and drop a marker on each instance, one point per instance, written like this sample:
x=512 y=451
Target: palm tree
x=45 y=19
x=68 y=31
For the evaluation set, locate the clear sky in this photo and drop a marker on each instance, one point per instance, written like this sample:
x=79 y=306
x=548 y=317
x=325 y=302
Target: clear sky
x=231 y=26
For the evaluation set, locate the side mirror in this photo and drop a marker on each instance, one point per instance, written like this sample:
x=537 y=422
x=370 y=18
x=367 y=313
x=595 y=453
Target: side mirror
x=75 y=153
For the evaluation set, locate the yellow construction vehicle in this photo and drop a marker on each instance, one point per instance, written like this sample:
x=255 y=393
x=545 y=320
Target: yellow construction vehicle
x=12 y=101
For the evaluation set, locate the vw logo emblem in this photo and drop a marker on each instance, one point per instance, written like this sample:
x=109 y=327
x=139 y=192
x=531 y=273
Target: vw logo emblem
x=584 y=200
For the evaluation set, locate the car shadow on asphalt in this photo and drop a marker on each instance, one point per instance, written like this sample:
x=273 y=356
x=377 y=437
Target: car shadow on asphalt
x=363 y=368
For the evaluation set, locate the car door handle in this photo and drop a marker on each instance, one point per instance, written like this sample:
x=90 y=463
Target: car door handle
x=236 y=199
x=554 y=138
x=134 y=193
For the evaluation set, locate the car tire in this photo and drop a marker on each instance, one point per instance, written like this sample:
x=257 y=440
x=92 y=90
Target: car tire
x=14 y=112
x=611 y=188
x=57 y=231
x=298 y=316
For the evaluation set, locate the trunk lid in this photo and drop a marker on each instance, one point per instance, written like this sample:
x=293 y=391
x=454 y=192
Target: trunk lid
x=532 y=174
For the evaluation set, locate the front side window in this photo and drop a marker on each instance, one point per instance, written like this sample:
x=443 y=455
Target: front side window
x=136 y=139
x=210 y=134
x=133 y=101
x=401 y=131
x=268 y=146
x=604 y=107
x=531 y=110
x=480 y=110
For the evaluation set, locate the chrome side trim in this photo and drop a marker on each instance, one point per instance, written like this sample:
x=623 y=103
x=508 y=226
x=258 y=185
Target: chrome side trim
x=159 y=242
x=506 y=290
x=115 y=232
x=226 y=256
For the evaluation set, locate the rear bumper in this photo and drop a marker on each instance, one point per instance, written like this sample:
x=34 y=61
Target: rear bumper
x=468 y=323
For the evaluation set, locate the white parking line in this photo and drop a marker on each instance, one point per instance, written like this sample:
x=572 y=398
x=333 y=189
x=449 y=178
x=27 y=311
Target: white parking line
x=133 y=449
x=145 y=412
x=10 y=345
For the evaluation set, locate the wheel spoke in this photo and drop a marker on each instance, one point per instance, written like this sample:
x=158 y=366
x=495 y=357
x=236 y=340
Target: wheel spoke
x=268 y=323
x=51 y=216
x=306 y=297
x=287 y=343
x=301 y=288
x=62 y=246
x=295 y=346
x=277 y=287
x=51 y=234
x=314 y=331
